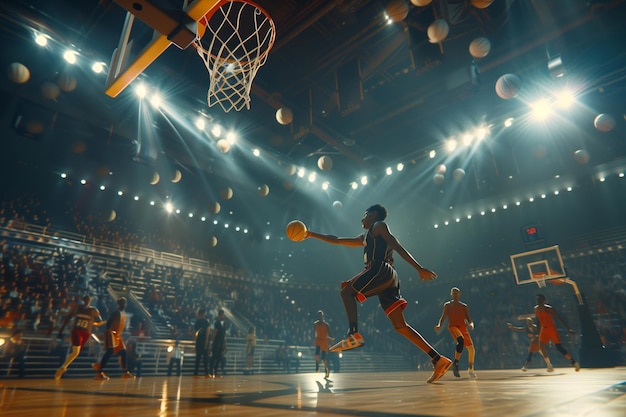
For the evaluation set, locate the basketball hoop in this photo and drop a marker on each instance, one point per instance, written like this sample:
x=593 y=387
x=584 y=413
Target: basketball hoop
x=540 y=278
x=240 y=35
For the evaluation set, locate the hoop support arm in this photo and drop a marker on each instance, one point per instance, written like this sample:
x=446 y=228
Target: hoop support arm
x=172 y=29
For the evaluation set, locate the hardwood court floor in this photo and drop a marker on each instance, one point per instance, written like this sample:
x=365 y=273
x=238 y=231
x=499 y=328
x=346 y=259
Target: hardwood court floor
x=511 y=393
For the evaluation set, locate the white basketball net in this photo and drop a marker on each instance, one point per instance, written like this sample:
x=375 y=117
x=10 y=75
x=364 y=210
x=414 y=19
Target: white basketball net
x=239 y=37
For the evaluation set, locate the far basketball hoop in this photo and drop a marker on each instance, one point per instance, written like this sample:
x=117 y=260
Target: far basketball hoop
x=239 y=35
x=540 y=266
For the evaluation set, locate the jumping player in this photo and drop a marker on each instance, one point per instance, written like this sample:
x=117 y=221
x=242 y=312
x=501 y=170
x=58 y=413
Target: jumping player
x=459 y=319
x=113 y=342
x=380 y=278
x=532 y=331
x=548 y=332
x=85 y=317
x=322 y=335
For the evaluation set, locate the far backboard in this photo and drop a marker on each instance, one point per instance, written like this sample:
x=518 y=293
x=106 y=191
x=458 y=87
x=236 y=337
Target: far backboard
x=537 y=266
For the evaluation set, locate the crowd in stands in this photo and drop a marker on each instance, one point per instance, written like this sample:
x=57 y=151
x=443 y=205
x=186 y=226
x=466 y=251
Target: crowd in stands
x=39 y=284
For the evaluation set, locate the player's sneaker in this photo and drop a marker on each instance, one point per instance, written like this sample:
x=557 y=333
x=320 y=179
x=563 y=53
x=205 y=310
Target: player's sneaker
x=59 y=373
x=455 y=370
x=96 y=366
x=576 y=366
x=550 y=368
x=351 y=341
x=524 y=368
x=128 y=375
x=327 y=374
x=102 y=376
x=441 y=367
x=472 y=374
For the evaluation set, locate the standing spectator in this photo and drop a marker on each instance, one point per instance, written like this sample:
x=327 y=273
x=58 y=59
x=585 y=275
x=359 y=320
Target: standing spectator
x=176 y=359
x=134 y=358
x=202 y=332
x=250 y=346
x=218 y=343
x=14 y=354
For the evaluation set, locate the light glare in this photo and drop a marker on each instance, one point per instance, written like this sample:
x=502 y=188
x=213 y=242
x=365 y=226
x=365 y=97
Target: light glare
x=98 y=67
x=41 y=40
x=70 y=56
x=541 y=109
x=141 y=90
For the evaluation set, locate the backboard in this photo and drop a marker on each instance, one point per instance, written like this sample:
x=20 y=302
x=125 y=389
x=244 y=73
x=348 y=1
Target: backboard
x=162 y=25
x=538 y=266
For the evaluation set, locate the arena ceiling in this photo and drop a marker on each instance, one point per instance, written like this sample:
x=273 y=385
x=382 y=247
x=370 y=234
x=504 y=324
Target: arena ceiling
x=365 y=93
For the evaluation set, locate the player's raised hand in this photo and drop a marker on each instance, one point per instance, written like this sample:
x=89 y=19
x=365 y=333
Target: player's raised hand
x=426 y=274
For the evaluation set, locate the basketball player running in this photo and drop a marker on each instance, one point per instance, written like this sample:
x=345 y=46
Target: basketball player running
x=532 y=331
x=322 y=335
x=459 y=319
x=85 y=317
x=380 y=278
x=113 y=343
x=548 y=332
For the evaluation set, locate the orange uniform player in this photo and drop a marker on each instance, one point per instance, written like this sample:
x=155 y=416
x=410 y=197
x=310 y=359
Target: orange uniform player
x=548 y=332
x=322 y=335
x=459 y=319
x=532 y=331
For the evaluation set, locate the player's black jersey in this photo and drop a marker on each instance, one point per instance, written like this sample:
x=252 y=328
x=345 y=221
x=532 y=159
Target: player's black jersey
x=376 y=249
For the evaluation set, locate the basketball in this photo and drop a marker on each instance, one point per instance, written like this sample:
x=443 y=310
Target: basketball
x=508 y=86
x=480 y=47
x=284 y=116
x=325 y=163
x=438 y=31
x=397 y=10
x=296 y=230
x=18 y=73
x=604 y=122
x=481 y=4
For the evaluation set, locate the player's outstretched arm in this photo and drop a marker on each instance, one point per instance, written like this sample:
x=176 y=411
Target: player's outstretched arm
x=562 y=320
x=444 y=315
x=515 y=328
x=381 y=229
x=468 y=318
x=345 y=241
